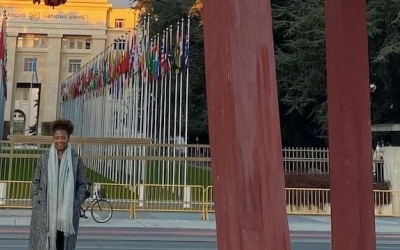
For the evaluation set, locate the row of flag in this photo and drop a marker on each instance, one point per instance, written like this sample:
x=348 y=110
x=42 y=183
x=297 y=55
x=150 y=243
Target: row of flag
x=135 y=54
x=3 y=57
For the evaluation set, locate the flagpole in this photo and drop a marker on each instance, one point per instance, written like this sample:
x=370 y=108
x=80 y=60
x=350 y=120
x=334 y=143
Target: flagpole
x=187 y=97
x=158 y=107
x=135 y=81
x=175 y=107
x=30 y=92
x=163 y=105
x=151 y=89
x=181 y=96
x=146 y=80
x=169 y=39
x=129 y=165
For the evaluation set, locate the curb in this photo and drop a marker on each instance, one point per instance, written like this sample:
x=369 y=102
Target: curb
x=124 y=238
x=379 y=242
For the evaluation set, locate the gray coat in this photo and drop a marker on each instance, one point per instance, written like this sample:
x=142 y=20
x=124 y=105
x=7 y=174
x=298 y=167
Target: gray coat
x=38 y=229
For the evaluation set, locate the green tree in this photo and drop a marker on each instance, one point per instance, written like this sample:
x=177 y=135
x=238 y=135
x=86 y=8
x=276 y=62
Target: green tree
x=299 y=31
x=300 y=61
x=299 y=34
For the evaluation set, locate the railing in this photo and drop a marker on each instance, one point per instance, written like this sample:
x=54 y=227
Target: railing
x=303 y=201
x=15 y=194
x=139 y=176
x=316 y=161
x=195 y=199
x=114 y=160
x=136 y=161
x=168 y=198
x=119 y=195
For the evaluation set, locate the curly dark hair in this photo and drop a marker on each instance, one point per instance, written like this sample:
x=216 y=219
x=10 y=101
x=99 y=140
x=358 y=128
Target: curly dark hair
x=63 y=125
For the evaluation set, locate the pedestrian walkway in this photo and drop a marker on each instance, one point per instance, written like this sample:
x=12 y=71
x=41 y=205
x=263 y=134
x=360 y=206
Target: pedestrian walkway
x=297 y=223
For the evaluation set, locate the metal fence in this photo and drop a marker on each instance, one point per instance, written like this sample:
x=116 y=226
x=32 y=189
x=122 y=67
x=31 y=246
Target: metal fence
x=136 y=161
x=197 y=199
x=140 y=176
x=110 y=160
x=316 y=161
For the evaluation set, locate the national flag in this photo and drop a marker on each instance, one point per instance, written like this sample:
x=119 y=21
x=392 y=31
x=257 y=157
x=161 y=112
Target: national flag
x=181 y=48
x=3 y=54
x=165 y=65
x=177 y=51
x=135 y=54
x=110 y=66
x=163 y=58
x=155 y=65
x=105 y=67
x=126 y=60
x=34 y=69
x=187 y=52
x=3 y=41
x=119 y=63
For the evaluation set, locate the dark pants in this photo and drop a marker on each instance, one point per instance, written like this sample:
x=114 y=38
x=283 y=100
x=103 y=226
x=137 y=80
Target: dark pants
x=60 y=240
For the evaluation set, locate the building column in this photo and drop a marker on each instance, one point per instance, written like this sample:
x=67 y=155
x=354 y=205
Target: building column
x=49 y=95
x=349 y=117
x=391 y=172
x=11 y=85
x=245 y=134
x=98 y=44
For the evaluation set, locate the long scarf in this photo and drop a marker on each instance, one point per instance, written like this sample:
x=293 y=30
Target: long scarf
x=60 y=196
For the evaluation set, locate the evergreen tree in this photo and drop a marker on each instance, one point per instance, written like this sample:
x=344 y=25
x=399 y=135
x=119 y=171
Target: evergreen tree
x=299 y=34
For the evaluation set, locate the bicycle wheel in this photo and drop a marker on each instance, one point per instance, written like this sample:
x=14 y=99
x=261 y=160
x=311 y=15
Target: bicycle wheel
x=102 y=211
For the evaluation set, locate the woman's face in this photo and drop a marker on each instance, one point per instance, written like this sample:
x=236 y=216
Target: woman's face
x=61 y=139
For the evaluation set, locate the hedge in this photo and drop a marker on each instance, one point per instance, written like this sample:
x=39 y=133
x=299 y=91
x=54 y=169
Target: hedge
x=322 y=181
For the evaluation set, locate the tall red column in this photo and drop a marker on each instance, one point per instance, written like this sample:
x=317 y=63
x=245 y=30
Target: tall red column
x=244 y=126
x=353 y=221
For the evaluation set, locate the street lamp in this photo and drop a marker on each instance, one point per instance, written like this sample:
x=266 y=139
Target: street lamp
x=372 y=87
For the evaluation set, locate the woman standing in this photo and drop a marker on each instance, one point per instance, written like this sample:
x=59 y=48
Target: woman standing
x=58 y=189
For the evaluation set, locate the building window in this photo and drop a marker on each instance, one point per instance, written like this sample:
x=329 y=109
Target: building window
x=22 y=94
x=88 y=43
x=71 y=43
x=19 y=122
x=79 y=43
x=28 y=64
x=119 y=44
x=74 y=65
x=32 y=41
x=119 y=23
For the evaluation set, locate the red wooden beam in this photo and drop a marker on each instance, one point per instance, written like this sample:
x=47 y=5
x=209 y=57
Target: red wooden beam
x=244 y=126
x=353 y=221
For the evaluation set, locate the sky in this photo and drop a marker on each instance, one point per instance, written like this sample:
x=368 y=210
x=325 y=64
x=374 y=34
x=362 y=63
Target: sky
x=119 y=3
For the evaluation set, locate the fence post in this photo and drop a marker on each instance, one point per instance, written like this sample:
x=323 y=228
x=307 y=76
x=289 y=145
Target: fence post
x=10 y=169
x=10 y=166
x=132 y=212
x=3 y=193
x=144 y=165
x=391 y=159
x=141 y=194
x=186 y=196
x=205 y=203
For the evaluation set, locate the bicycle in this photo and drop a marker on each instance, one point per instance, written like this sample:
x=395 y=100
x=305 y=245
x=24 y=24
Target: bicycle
x=99 y=205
